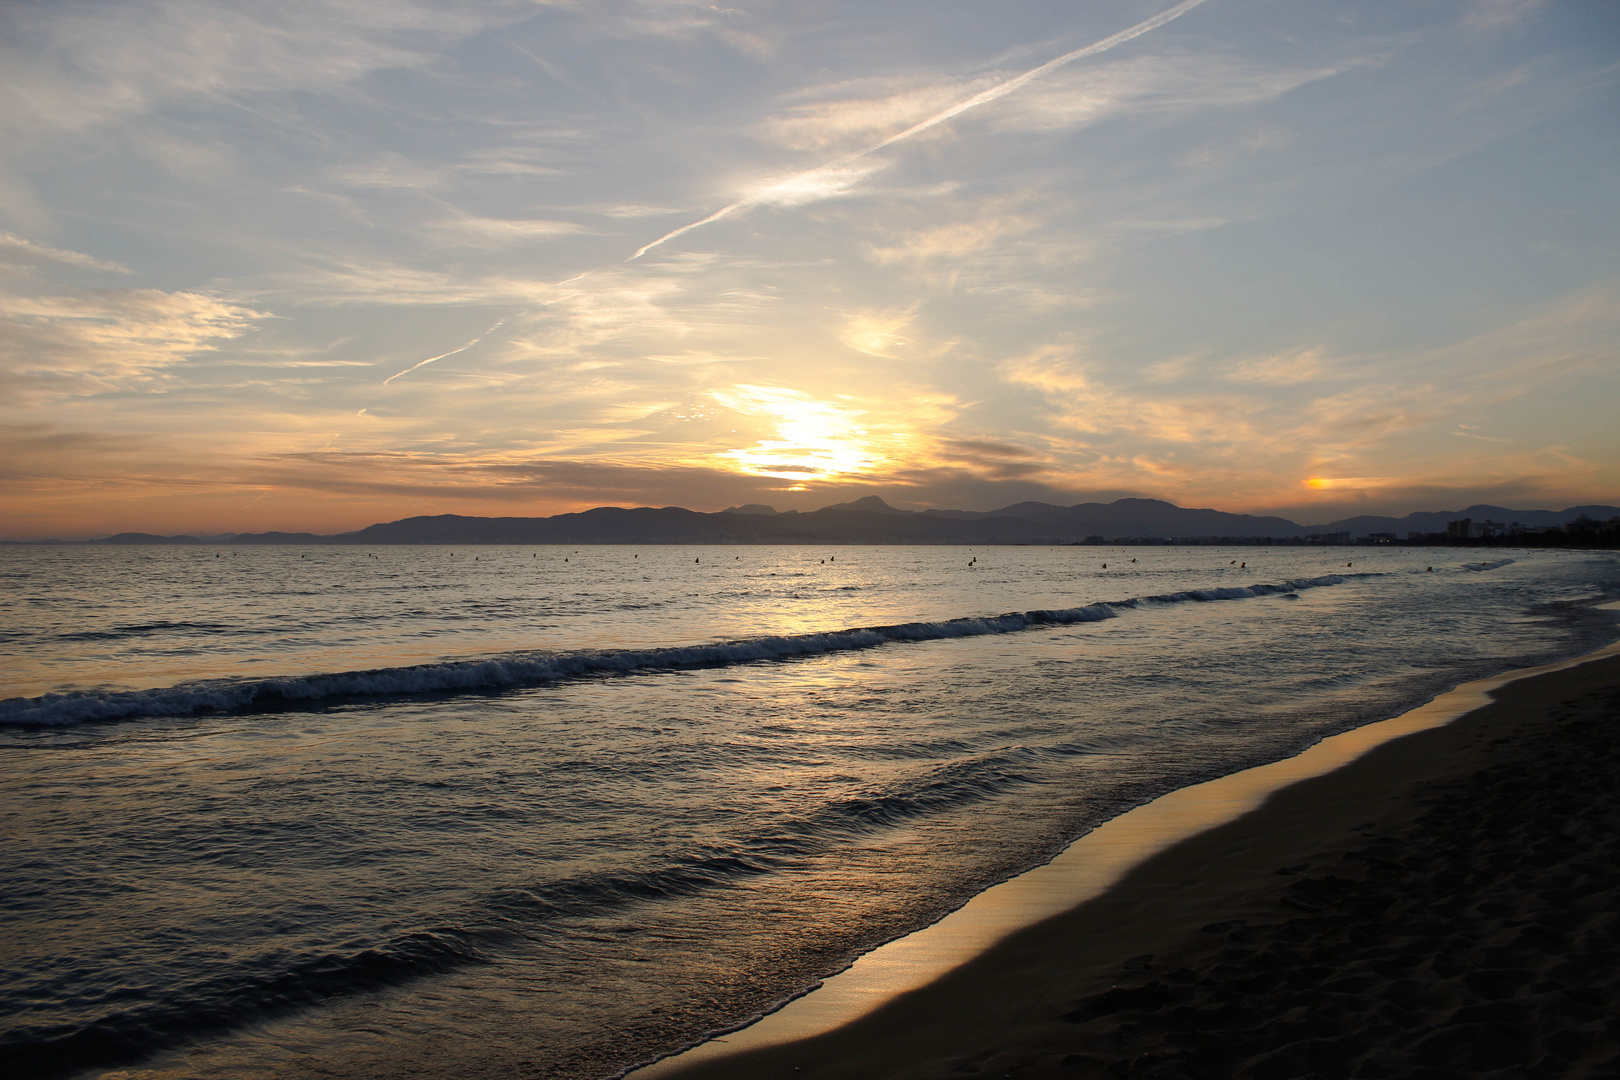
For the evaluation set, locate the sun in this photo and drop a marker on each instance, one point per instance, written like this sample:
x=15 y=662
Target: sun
x=811 y=439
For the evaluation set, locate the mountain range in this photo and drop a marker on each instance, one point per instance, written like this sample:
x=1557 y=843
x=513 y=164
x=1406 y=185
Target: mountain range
x=872 y=521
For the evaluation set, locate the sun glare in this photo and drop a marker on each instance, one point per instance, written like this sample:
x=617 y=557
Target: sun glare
x=1342 y=483
x=811 y=440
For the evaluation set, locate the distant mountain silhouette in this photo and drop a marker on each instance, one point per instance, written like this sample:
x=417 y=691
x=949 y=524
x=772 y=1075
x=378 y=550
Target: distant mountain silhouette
x=1146 y=518
x=869 y=505
x=149 y=538
x=867 y=520
x=1435 y=521
x=870 y=520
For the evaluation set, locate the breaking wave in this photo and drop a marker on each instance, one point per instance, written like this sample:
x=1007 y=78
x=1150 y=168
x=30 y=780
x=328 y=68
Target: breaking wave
x=538 y=668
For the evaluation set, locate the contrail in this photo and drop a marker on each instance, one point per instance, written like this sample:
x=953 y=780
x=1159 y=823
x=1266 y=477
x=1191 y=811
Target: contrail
x=958 y=109
x=441 y=356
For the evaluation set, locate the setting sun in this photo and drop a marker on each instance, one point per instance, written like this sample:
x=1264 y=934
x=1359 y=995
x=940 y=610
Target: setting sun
x=808 y=440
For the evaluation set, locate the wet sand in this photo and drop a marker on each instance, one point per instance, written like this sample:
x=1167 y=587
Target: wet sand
x=1447 y=905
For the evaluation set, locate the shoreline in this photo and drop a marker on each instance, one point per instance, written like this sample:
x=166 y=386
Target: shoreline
x=961 y=993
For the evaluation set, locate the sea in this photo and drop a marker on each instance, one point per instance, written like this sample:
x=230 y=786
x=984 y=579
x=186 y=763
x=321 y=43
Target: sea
x=339 y=811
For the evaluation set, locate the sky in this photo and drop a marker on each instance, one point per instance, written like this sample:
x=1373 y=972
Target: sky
x=313 y=264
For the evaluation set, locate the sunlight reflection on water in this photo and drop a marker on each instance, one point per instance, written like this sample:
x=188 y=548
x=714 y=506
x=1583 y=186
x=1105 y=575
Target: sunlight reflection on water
x=569 y=878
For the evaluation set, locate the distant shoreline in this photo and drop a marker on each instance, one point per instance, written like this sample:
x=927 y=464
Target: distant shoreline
x=1124 y=522
x=1601 y=544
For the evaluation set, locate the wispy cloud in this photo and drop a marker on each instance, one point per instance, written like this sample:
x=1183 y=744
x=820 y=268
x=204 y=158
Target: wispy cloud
x=817 y=178
x=1154 y=84
x=1268 y=244
x=1294 y=366
x=71 y=67
x=860 y=110
x=98 y=340
x=441 y=356
x=877 y=333
x=1486 y=15
x=16 y=249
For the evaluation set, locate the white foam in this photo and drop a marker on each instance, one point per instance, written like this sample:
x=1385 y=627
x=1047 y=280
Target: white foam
x=528 y=669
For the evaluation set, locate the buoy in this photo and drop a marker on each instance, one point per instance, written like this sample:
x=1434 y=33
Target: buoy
x=1105 y=566
x=697 y=560
x=1245 y=566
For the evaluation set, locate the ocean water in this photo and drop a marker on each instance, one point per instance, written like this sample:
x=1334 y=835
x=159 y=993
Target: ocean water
x=509 y=812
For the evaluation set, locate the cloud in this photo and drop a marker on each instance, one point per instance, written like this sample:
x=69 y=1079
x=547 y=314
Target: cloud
x=1009 y=302
x=1487 y=15
x=99 y=340
x=1294 y=366
x=877 y=333
x=1369 y=415
x=800 y=437
x=488 y=232
x=15 y=249
x=808 y=438
x=1168 y=83
x=955 y=233
x=441 y=356
x=70 y=67
x=1217 y=153
x=353 y=281
x=813 y=179
x=859 y=111
x=1371 y=425
x=992 y=460
x=1574 y=333
x=507 y=161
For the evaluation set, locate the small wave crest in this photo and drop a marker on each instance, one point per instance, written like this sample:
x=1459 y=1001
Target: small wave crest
x=532 y=669
x=948 y=787
x=118 y=633
x=125 y=1023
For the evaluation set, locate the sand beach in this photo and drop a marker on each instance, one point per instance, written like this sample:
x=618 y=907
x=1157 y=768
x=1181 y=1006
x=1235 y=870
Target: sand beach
x=1443 y=906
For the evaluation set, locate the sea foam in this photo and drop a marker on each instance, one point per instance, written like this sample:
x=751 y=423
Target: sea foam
x=537 y=668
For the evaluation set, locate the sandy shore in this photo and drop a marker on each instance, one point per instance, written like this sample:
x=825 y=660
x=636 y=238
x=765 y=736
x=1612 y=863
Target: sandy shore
x=1446 y=906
